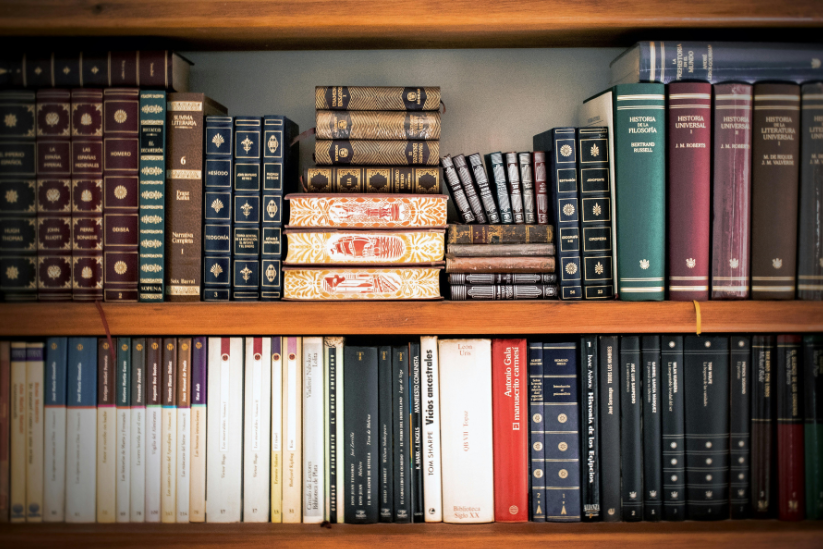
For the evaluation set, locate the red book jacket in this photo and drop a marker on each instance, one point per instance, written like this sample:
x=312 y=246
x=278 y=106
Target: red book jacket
x=791 y=495
x=689 y=141
x=732 y=186
x=511 y=432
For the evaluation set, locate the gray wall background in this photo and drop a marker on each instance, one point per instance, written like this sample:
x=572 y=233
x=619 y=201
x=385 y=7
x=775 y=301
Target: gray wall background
x=496 y=99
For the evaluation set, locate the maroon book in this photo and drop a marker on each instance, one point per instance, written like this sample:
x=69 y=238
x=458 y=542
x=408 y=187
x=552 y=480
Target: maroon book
x=541 y=189
x=731 y=182
x=689 y=141
x=121 y=161
x=790 y=492
x=54 y=195
x=87 y=194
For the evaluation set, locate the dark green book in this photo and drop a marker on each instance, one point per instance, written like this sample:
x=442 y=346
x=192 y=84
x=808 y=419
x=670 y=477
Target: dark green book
x=640 y=155
x=813 y=401
x=152 y=194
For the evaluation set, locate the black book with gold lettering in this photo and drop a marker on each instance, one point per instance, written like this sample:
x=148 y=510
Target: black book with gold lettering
x=342 y=152
x=382 y=125
x=373 y=179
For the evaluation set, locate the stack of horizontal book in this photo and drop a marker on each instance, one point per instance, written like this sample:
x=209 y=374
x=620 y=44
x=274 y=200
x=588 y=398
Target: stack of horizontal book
x=487 y=262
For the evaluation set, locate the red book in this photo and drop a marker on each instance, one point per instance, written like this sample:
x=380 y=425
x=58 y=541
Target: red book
x=511 y=432
x=5 y=427
x=732 y=186
x=790 y=492
x=690 y=155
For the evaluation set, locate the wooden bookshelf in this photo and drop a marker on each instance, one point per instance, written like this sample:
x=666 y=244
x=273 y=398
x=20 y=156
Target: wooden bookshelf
x=410 y=317
x=351 y=24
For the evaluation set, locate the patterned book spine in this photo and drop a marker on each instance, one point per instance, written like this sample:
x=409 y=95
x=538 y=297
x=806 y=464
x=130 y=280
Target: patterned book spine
x=689 y=192
x=106 y=437
x=537 y=451
x=515 y=192
x=121 y=183
x=590 y=427
x=740 y=425
x=377 y=98
x=217 y=209
x=81 y=430
x=342 y=152
x=497 y=234
x=483 y=185
x=469 y=188
x=541 y=189
x=594 y=194
x=18 y=197
x=813 y=431
x=499 y=264
x=137 y=475
x=791 y=495
x=380 y=125
x=122 y=393
x=183 y=446
x=527 y=180
x=197 y=490
x=494 y=292
x=565 y=208
x=87 y=194
x=731 y=182
x=257 y=403
x=168 y=430
x=609 y=422
x=5 y=428
x=775 y=172
x=246 y=209
x=361 y=504
x=652 y=443
x=152 y=195
x=400 y=419
x=54 y=274
x=631 y=431
x=501 y=250
x=35 y=443
x=764 y=363
x=497 y=167
x=640 y=149
x=502 y=278
x=361 y=283
x=386 y=423
x=367 y=211
x=456 y=188
x=348 y=247
x=810 y=235
x=673 y=429
x=373 y=179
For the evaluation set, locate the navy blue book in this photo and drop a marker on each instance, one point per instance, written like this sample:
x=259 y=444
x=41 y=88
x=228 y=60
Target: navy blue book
x=560 y=145
x=590 y=427
x=246 y=216
x=562 y=432
x=673 y=428
x=537 y=453
x=652 y=443
x=217 y=208
x=631 y=429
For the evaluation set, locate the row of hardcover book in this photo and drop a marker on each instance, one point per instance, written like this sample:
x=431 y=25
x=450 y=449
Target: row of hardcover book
x=313 y=429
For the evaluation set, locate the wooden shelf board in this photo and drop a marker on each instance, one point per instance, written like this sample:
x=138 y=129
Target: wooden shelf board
x=349 y=24
x=697 y=535
x=410 y=317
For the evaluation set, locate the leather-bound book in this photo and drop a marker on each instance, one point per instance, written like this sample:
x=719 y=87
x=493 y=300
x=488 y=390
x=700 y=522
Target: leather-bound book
x=541 y=192
x=499 y=264
x=764 y=364
x=810 y=235
x=775 y=171
x=217 y=208
x=502 y=278
x=473 y=193
x=537 y=450
x=373 y=179
x=377 y=98
x=456 y=190
x=184 y=192
x=345 y=152
x=731 y=190
x=496 y=168
x=496 y=234
x=791 y=496
x=483 y=185
x=377 y=125
x=515 y=188
x=689 y=192
x=495 y=292
x=527 y=180
x=246 y=218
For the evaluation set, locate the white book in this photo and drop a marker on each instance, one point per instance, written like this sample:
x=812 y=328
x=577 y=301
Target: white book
x=54 y=438
x=168 y=433
x=197 y=470
x=17 y=484
x=224 y=460
x=257 y=433
x=154 y=422
x=123 y=414
x=81 y=430
x=137 y=461
x=314 y=438
x=35 y=367
x=432 y=468
x=106 y=435
x=292 y=432
x=183 y=428
x=466 y=430
x=276 y=344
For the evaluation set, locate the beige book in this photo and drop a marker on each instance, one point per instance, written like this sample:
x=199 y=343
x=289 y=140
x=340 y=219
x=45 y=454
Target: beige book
x=277 y=429
x=106 y=435
x=293 y=431
x=168 y=436
x=17 y=488
x=35 y=365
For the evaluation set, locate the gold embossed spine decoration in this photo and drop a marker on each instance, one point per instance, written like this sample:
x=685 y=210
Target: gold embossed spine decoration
x=378 y=125
x=377 y=98
x=380 y=153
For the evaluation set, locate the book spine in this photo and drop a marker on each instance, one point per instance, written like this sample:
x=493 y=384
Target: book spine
x=340 y=401
x=502 y=278
x=740 y=423
x=381 y=125
x=673 y=429
x=432 y=477
x=361 y=381
x=501 y=250
x=456 y=189
x=541 y=190
x=384 y=402
x=515 y=190
x=511 y=444
x=329 y=438
x=493 y=292
x=565 y=208
x=594 y=194
x=380 y=212
x=121 y=189
x=791 y=495
x=652 y=435
x=106 y=435
x=54 y=426
x=689 y=192
x=123 y=429
x=152 y=198
x=277 y=431
x=5 y=429
x=537 y=452
x=183 y=447
x=87 y=194
x=199 y=410
x=377 y=98
x=527 y=180
x=154 y=421
x=472 y=195
x=343 y=152
x=137 y=428
x=609 y=422
x=706 y=383
x=81 y=430
x=497 y=168
x=473 y=265
x=400 y=418
x=813 y=433
x=762 y=461
x=35 y=445
x=54 y=280
x=246 y=216
x=256 y=429
x=168 y=432
x=562 y=437
x=731 y=182
x=810 y=234
x=292 y=432
x=631 y=431
x=313 y=437
x=590 y=427
x=373 y=179
x=499 y=234
x=416 y=431
x=217 y=209
x=482 y=179
x=17 y=444
x=775 y=172
x=641 y=171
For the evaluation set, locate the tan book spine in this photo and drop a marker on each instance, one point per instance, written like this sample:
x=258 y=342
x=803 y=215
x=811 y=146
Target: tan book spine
x=377 y=98
x=277 y=344
x=499 y=264
x=35 y=366
x=17 y=489
x=168 y=441
x=380 y=125
x=501 y=250
x=106 y=434
x=293 y=432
